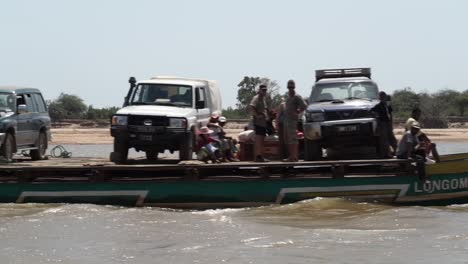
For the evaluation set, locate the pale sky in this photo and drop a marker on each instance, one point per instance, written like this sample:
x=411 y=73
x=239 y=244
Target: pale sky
x=90 y=48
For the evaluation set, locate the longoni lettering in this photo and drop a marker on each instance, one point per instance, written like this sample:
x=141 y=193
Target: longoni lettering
x=441 y=185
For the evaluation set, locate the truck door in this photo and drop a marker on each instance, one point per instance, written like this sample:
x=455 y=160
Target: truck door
x=24 y=135
x=203 y=110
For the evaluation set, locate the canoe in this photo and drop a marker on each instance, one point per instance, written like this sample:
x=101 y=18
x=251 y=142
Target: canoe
x=239 y=184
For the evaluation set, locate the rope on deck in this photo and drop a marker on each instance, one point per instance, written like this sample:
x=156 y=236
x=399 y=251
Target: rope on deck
x=59 y=151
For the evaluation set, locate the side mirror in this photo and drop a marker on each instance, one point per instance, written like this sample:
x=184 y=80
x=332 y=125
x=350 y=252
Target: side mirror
x=22 y=109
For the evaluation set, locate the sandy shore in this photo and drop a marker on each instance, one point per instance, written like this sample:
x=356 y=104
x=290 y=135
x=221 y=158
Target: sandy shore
x=102 y=135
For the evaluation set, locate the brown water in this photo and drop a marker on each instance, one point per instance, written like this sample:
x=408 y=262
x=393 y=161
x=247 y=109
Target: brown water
x=314 y=231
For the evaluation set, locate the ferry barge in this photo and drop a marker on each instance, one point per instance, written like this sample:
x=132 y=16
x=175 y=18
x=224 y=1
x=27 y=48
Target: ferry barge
x=239 y=184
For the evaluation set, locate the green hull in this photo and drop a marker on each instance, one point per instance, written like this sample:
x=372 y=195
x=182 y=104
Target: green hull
x=437 y=189
x=441 y=189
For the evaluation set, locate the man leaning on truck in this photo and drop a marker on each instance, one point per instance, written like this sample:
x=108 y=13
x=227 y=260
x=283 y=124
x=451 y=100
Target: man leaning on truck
x=259 y=111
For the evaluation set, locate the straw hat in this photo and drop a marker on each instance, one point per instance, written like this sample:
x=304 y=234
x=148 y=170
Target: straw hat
x=205 y=130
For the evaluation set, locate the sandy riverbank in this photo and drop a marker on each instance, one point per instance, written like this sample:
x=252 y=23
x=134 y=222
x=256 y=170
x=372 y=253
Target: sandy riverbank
x=102 y=135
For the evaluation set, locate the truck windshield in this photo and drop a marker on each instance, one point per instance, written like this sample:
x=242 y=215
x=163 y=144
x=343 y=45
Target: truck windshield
x=7 y=102
x=162 y=94
x=323 y=92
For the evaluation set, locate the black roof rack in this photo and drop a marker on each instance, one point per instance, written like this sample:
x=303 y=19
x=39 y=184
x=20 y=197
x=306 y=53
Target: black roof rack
x=342 y=73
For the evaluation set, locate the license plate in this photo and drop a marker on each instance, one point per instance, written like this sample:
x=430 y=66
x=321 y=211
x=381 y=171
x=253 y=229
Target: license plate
x=347 y=129
x=146 y=137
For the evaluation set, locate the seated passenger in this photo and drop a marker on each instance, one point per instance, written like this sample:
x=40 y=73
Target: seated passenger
x=426 y=143
x=213 y=124
x=205 y=147
x=228 y=144
x=409 y=144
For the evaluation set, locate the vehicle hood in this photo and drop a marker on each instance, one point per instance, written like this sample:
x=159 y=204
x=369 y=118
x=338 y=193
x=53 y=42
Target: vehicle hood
x=157 y=110
x=346 y=105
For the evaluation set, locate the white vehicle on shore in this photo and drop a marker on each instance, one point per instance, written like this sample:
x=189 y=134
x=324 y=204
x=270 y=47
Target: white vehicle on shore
x=163 y=113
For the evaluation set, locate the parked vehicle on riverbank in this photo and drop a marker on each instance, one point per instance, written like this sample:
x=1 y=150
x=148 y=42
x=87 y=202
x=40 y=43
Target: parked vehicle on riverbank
x=24 y=122
x=163 y=113
x=338 y=115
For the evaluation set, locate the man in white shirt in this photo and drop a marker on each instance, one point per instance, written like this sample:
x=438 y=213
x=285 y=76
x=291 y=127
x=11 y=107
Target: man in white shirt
x=409 y=143
x=425 y=141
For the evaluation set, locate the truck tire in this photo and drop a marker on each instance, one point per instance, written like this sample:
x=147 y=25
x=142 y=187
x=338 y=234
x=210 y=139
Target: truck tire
x=186 y=147
x=40 y=152
x=312 y=150
x=151 y=155
x=120 y=153
x=8 y=147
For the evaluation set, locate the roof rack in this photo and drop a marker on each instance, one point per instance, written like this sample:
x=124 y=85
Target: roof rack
x=342 y=73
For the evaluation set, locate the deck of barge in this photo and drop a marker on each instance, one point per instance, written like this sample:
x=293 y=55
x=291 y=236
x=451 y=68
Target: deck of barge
x=102 y=170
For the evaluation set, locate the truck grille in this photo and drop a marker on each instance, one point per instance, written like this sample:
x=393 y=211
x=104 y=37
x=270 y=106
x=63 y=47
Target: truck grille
x=159 y=121
x=346 y=114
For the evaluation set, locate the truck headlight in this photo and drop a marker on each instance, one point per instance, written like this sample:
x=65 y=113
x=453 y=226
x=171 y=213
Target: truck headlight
x=118 y=120
x=178 y=122
x=315 y=116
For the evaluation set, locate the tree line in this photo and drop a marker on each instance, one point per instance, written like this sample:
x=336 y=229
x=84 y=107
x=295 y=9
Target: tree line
x=68 y=106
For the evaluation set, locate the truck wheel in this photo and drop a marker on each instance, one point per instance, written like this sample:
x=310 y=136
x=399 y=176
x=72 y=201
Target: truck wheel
x=186 y=148
x=40 y=152
x=312 y=150
x=151 y=155
x=8 y=147
x=120 y=153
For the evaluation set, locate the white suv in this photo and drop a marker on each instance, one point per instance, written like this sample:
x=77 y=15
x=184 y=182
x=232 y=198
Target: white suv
x=163 y=113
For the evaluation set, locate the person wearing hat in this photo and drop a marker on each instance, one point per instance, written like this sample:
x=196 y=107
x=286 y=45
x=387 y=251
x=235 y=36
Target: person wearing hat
x=259 y=111
x=213 y=124
x=205 y=148
x=293 y=107
x=409 y=143
x=228 y=144
x=427 y=144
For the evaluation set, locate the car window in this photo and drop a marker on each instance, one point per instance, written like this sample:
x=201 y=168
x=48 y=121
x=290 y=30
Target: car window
x=39 y=102
x=7 y=102
x=322 y=92
x=30 y=103
x=163 y=94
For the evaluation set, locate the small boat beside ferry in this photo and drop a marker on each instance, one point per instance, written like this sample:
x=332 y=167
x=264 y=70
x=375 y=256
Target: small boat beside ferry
x=239 y=184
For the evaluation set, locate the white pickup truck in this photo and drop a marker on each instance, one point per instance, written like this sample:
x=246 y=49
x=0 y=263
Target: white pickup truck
x=163 y=113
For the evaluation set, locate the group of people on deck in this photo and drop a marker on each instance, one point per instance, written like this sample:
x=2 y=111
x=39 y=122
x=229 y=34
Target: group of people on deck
x=213 y=145
x=414 y=143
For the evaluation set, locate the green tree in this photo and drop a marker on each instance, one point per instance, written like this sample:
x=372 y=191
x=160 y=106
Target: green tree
x=67 y=106
x=403 y=102
x=461 y=101
x=248 y=88
x=56 y=111
x=434 y=111
x=446 y=99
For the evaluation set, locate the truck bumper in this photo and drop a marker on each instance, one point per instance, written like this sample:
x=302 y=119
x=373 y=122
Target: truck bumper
x=158 y=139
x=339 y=130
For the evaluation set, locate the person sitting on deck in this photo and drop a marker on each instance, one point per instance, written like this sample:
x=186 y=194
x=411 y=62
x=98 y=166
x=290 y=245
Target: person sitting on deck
x=409 y=144
x=205 y=146
x=213 y=124
x=427 y=145
x=228 y=144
